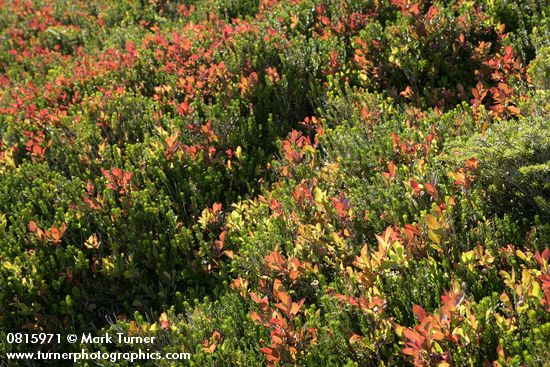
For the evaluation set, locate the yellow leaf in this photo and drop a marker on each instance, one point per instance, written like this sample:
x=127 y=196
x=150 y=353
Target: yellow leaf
x=434 y=236
x=108 y=264
x=92 y=242
x=7 y=265
x=523 y=256
x=468 y=257
x=535 y=291
x=320 y=198
x=526 y=279
x=432 y=222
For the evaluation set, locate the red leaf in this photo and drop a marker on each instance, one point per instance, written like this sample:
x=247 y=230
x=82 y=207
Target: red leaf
x=415 y=186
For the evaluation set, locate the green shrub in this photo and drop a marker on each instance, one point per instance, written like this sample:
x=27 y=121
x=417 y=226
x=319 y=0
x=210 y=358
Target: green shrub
x=514 y=163
x=539 y=69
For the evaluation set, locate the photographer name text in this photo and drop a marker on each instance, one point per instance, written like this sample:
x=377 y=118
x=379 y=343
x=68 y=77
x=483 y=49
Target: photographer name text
x=118 y=338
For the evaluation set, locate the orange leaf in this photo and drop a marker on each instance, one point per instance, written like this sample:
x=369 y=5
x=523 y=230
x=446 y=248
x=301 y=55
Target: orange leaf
x=295 y=308
x=208 y=348
x=255 y=317
x=472 y=163
x=430 y=189
x=33 y=226
x=391 y=168
x=218 y=245
x=276 y=339
x=407 y=93
x=163 y=319
x=419 y=312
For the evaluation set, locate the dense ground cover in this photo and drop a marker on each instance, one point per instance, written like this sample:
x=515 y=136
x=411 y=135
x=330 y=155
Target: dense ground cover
x=298 y=182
